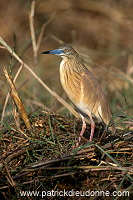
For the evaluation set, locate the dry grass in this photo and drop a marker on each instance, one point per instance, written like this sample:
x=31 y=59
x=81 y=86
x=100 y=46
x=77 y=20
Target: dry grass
x=46 y=160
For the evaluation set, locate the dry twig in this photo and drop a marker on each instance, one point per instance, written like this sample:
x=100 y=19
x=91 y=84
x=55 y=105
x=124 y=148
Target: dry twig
x=17 y=100
x=7 y=97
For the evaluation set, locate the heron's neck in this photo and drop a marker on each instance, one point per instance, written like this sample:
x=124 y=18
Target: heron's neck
x=71 y=63
x=63 y=62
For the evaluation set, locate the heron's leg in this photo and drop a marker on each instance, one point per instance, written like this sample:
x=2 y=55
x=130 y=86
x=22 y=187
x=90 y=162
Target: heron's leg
x=82 y=131
x=92 y=128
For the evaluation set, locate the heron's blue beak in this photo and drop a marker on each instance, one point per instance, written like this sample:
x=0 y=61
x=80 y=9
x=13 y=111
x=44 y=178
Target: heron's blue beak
x=55 y=52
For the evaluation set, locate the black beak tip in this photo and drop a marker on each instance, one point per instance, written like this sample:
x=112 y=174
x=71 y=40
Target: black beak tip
x=45 y=52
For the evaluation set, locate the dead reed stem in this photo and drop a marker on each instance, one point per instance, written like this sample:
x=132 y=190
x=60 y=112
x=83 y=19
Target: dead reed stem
x=17 y=100
x=8 y=95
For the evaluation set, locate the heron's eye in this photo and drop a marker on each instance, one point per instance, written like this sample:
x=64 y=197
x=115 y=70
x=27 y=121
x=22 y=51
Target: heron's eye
x=66 y=50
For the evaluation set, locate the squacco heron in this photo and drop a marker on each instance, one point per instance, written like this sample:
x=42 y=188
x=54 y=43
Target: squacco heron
x=82 y=89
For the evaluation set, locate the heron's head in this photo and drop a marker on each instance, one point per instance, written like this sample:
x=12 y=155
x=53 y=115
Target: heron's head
x=63 y=51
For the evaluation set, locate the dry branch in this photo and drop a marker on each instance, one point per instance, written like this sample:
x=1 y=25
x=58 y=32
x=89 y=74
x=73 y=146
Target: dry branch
x=8 y=176
x=31 y=22
x=7 y=97
x=17 y=100
x=36 y=43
